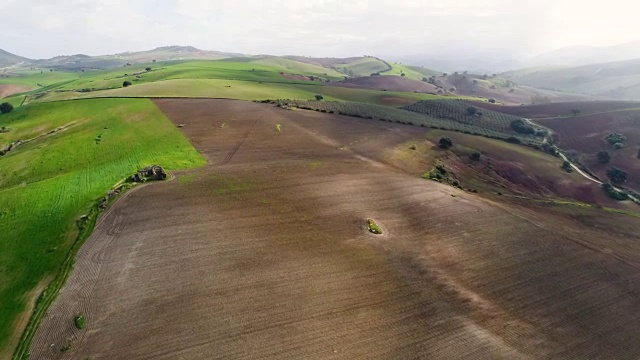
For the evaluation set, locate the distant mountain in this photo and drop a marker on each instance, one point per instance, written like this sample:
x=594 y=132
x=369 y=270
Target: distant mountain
x=85 y=62
x=584 y=55
x=620 y=80
x=9 y=59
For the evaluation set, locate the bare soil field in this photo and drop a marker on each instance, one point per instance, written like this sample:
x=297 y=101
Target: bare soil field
x=389 y=83
x=563 y=109
x=586 y=134
x=8 y=90
x=264 y=253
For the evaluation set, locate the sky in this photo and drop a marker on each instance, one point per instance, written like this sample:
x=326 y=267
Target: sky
x=505 y=28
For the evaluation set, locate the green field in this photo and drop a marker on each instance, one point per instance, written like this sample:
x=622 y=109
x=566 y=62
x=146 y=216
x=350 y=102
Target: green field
x=37 y=78
x=398 y=69
x=47 y=184
x=362 y=67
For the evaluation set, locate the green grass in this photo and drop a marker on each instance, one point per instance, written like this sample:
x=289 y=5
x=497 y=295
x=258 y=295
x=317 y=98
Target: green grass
x=398 y=69
x=42 y=77
x=80 y=322
x=373 y=227
x=362 y=67
x=46 y=185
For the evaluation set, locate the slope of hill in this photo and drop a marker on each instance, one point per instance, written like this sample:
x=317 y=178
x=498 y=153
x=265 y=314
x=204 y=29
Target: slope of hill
x=584 y=55
x=501 y=89
x=620 y=80
x=563 y=109
x=9 y=59
x=388 y=83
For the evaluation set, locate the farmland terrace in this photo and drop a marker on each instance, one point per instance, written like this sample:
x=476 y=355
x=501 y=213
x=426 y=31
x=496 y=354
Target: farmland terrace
x=265 y=253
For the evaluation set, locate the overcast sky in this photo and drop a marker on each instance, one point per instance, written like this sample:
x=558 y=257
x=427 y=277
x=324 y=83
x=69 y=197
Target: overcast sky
x=42 y=29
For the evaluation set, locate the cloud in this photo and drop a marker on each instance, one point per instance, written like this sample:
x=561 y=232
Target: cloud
x=323 y=27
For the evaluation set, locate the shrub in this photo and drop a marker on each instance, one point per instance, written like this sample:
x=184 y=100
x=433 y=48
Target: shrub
x=613 y=193
x=445 y=143
x=492 y=100
x=603 y=157
x=80 y=322
x=472 y=110
x=576 y=112
x=566 y=166
x=475 y=156
x=513 y=140
x=147 y=69
x=615 y=138
x=520 y=126
x=319 y=97
x=126 y=83
x=5 y=108
x=618 y=146
x=616 y=175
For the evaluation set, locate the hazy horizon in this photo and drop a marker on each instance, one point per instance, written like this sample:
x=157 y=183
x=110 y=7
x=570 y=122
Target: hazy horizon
x=485 y=29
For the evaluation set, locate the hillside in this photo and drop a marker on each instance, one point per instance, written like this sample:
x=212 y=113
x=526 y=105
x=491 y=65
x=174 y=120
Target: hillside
x=9 y=59
x=584 y=55
x=501 y=89
x=388 y=83
x=619 y=80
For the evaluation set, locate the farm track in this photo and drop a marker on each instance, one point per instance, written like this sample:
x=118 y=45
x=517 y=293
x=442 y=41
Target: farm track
x=267 y=256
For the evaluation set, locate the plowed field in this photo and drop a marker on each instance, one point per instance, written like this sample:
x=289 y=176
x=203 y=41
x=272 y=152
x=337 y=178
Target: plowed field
x=264 y=253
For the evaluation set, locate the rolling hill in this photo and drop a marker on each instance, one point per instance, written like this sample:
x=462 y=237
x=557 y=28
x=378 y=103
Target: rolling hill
x=619 y=80
x=9 y=59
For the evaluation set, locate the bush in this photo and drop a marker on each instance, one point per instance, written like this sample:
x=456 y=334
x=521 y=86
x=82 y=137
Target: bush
x=147 y=69
x=613 y=193
x=5 y=108
x=445 y=143
x=126 y=83
x=520 y=126
x=615 y=138
x=616 y=175
x=604 y=157
x=475 y=156
x=566 y=166
x=319 y=97
x=618 y=146
x=492 y=100
x=514 y=140
x=472 y=110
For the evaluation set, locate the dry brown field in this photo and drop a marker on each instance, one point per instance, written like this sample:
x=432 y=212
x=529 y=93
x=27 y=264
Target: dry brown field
x=264 y=253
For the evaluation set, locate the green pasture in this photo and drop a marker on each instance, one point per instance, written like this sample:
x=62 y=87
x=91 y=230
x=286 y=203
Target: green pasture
x=47 y=184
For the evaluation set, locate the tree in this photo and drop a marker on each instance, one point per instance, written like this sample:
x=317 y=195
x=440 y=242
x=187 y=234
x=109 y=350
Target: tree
x=154 y=60
x=615 y=138
x=472 y=110
x=520 y=126
x=566 y=166
x=5 y=108
x=402 y=74
x=475 y=156
x=576 y=112
x=148 y=69
x=126 y=83
x=319 y=97
x=616 y=175
x=604 y=157
x=445 y=143
x=452 y=89
x=492 y=100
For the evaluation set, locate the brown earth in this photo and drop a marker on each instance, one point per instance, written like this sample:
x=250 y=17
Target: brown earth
x=389 y=83
x=264 y=254
x=586 y=134
x=562 y=109
x=10 y=89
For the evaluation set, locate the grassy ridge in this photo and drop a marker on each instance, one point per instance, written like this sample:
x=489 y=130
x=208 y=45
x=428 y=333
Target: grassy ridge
x=47 y=184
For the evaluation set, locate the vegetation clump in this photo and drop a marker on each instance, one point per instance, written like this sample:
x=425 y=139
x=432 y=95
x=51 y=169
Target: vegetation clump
x=373 y=227
x=603 y=157
x=616 y=175
x=616 y=138
x=521 y=127
x=126 y=83
x=5 y=108
x=475 y=156
x=566 y=166
x=80 y=322
x=614 y=193
x=445 y=143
